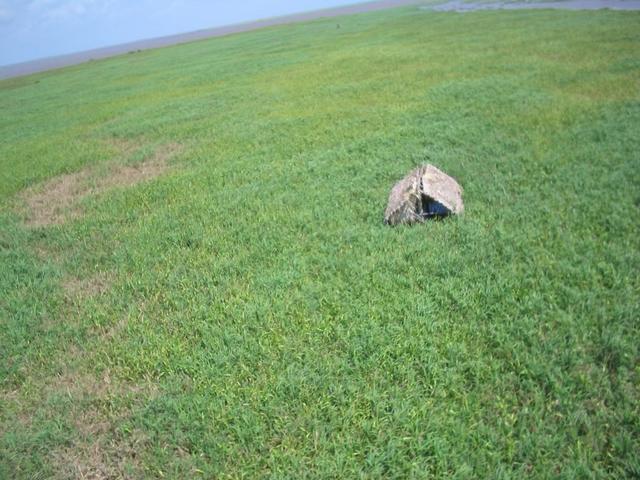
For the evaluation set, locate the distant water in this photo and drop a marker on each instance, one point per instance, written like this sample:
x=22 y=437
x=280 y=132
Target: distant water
x=462 y=6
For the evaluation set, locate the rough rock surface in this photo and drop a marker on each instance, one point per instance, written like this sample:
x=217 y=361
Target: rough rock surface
x=424 y=193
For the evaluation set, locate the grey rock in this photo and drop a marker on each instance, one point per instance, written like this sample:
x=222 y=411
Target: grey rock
x=426 y=192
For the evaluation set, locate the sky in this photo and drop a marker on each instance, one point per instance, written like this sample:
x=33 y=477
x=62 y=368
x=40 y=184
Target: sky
x=34 y=29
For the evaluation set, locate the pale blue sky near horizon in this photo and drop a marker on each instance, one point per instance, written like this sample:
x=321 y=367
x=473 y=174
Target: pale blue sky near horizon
x=35 y=29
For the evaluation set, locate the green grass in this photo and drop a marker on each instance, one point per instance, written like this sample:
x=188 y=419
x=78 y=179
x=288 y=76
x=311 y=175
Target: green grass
x=258 y=320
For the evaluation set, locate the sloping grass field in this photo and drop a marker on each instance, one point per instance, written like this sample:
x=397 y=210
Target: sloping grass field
x=195 y=280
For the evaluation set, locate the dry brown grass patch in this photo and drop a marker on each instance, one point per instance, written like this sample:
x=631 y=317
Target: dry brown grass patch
x=126 y=176
x=57 y=200
x=99 y=450
x=49 y=203
x=87 y=287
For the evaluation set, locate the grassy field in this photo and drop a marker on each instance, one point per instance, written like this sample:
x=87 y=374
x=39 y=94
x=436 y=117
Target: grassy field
x=196 y=281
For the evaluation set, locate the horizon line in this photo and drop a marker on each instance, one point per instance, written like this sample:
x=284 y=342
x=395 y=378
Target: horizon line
x=55 y=62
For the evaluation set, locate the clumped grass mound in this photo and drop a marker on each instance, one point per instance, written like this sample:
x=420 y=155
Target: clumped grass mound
x=244 y=312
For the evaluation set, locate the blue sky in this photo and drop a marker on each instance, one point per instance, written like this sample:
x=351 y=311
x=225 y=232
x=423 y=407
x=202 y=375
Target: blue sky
x=32 y=29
